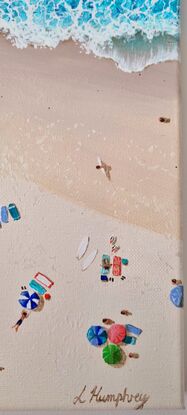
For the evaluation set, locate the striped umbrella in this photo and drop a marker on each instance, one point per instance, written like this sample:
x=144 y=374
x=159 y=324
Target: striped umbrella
x=29 y=299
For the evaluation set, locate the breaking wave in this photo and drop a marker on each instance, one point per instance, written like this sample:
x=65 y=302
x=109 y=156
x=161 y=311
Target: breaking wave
x=134 y=33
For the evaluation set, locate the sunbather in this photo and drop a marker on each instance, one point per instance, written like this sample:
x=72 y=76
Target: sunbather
x=24 y=315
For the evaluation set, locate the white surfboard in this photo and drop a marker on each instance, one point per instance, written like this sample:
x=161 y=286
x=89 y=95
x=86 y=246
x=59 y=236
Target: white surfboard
x=82 y=247
x=90 y=258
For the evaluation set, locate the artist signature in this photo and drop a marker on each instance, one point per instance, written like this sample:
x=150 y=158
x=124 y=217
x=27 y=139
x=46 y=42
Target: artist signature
x=98 y=396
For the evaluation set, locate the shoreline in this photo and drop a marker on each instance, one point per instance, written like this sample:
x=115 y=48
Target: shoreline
x=154 y=52
x=56 y=145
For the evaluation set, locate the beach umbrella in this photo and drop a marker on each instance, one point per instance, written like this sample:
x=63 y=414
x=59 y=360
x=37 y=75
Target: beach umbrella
x=97 y=335
x=116 y=333
x=112 y=354
x=29 y=299
x=176 y=296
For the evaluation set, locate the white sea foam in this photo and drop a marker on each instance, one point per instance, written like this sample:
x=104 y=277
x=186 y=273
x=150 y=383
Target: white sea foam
x=133 y=34
x=130 y=56
x=136 y=55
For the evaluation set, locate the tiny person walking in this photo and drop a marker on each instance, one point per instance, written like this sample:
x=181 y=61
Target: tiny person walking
x=104 y=167
x=24 y=315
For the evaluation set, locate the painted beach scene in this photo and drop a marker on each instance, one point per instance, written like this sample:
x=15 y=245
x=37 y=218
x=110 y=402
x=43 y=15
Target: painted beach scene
x=91 y=278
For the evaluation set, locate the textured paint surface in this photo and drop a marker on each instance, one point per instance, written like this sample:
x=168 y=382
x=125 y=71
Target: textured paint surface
x=63 y=112
x=145 y=294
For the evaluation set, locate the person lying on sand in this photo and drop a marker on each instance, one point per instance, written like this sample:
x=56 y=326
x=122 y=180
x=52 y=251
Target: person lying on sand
x=24 y=315
x=106 y=263
x=108 y=321
x=164 y=119
x=176 y=282
x=106 y=168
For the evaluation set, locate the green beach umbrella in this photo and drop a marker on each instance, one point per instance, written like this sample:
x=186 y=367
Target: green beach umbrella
x=112 y=354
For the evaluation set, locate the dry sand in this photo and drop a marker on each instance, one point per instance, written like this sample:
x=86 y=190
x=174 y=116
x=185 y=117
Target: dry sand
x=48 y=362
x=60 y=109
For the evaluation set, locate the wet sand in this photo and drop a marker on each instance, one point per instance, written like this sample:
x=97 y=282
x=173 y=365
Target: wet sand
x=60 y=109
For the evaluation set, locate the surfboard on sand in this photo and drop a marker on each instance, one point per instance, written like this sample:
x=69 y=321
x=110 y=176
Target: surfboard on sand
x=90 y=258
x=82 y=247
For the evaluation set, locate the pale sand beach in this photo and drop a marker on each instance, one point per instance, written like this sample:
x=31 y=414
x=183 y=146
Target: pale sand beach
x=61 y=108
x=52 y=344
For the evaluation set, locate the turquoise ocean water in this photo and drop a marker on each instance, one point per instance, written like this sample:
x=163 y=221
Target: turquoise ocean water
x=134 y=33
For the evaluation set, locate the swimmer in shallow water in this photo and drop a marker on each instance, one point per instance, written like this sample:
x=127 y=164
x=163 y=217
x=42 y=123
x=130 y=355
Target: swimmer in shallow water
x=24 y=315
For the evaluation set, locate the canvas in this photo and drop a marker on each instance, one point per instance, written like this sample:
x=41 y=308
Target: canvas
x=91 y=298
